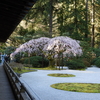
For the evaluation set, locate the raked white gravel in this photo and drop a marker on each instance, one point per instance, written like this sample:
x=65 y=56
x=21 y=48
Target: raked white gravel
x=39 y=82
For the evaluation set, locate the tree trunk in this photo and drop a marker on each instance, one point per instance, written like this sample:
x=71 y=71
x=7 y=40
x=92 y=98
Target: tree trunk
x=62 y=60
x=75 y=16
x=93 y=24
x=86 y=34
x=50 y=18
x=51 y=63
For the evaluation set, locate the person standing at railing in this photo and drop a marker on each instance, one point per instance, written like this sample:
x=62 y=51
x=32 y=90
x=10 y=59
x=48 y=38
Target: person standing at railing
x=2 y=57
x=7 y=58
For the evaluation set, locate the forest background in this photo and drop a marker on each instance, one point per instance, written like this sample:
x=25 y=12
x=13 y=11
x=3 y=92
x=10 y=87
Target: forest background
x=78 y=19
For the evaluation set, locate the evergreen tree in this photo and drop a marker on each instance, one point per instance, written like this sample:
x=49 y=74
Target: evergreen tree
x=78 y=19
x=73 y=16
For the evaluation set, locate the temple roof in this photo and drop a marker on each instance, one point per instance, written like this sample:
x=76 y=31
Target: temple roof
x=11 y=13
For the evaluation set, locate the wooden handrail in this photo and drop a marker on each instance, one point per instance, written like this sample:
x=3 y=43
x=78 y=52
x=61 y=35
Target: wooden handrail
x=20 y=91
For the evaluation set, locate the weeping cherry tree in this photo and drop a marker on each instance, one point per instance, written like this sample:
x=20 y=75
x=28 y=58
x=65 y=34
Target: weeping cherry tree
x=53 y=49
x=60 y=47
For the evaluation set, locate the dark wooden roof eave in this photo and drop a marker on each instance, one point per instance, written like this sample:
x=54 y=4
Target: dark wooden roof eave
x=11 y=13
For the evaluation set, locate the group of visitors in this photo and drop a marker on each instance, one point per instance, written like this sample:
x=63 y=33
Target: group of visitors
x=5 y=57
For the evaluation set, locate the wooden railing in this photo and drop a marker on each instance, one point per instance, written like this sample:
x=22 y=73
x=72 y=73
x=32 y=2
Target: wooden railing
x=20 y=91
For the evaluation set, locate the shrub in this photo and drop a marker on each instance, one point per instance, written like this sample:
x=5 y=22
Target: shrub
x=88 y=53
x=97 y=62
x=38 y=61
x=94 y=60
x=35 y=61
x=17 y=58
x=75 y=64
x=22 y=60
x=97 y=52
x=27 y=60
x=86 y=63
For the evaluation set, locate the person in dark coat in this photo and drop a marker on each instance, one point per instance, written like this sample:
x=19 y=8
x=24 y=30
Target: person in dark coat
x=7 y=58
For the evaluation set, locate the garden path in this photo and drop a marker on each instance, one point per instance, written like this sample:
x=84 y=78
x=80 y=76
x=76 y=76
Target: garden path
x=5 y=88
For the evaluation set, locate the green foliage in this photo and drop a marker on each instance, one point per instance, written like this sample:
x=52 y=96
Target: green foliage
x=75 y=23
x=17 y=58
x=97 y=52
x=36 y=61
x=25 y=60
x=75 y=64
x=9 y=50
x=86 y=63
x=88 y=54
x=21 y=31
x=96 y=62
x=73 y=17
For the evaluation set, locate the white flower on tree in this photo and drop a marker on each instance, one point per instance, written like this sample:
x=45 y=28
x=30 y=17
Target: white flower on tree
x=33 y=46
x=62 y=46
x=37 y=45
x=51 y=48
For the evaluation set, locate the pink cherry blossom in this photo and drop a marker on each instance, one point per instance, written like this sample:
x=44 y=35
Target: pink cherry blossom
x=32 y=46
x=51 y=47
x=64 y=45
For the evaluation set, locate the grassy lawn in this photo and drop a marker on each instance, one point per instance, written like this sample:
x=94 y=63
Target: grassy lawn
x=23 y=70
x=61 y=75
x=19 y=68
x=78 y=87
x=46 y=68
